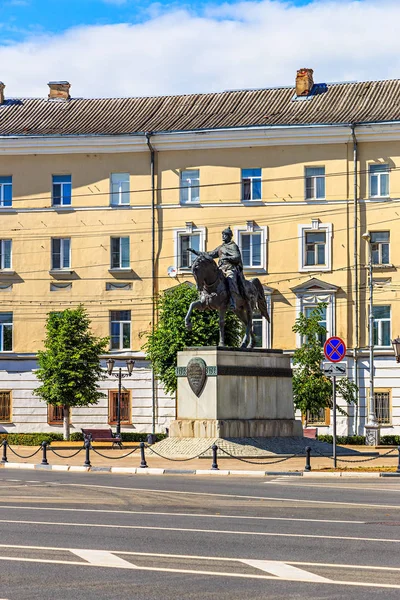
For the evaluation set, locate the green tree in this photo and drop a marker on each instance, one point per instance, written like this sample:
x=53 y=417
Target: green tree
x=312 y=390
x=170 y=334
x=69 y=367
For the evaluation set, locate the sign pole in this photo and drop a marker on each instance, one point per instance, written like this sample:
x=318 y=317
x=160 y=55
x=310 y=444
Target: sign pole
x=334 y=420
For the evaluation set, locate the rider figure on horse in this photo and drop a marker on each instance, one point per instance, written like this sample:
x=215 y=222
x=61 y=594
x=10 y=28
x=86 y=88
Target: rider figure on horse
x=230 y=263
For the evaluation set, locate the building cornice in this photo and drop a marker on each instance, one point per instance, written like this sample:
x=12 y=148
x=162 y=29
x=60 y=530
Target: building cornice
x=219 y=138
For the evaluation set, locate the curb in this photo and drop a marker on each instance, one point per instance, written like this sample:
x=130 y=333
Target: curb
x=210 y=472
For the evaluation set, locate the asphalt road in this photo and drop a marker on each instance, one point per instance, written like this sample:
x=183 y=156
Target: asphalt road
x=101 y=536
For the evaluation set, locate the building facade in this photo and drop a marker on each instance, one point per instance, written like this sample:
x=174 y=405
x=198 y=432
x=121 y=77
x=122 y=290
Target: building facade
x=100 y=199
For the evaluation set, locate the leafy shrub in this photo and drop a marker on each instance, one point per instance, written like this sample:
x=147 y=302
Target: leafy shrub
x=35 y=439
x=390 y=440
x=349 y=440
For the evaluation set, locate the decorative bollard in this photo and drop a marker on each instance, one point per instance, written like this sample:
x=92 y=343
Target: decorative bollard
x=44 y=457
x=87 y=454
x=308 y=459
x=214 y=465
x=398 y=464
x=143 y=463
x=4 y=459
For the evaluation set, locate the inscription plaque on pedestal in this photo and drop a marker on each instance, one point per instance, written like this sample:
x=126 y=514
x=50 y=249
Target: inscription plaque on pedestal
x=196 y=373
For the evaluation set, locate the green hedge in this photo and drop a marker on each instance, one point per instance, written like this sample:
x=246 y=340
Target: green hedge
x=350 y=440
x=390 y=440
x=35 y=439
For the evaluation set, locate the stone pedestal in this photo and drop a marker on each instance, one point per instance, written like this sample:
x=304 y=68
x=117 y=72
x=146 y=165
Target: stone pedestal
x=372 y=435
x=229 y=392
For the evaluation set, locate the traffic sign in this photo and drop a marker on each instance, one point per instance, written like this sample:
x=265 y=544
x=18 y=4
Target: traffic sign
x=335 y=369
x=334 y=349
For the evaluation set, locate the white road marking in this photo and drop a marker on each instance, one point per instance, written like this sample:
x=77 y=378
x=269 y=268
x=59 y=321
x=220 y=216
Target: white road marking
x=233 y=496
x=170 y=514
x=206 y=573
x=100 y=558
x=332 y=486
x=285 y=571
x=207 y=531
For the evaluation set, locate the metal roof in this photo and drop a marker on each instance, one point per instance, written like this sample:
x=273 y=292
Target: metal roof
x=364 y=102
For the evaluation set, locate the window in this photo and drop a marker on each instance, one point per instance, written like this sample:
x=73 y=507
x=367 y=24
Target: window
x=380 y=247
x=55 y=415
x=378 y=181
x=62 y=190
x=251 y=184
x=190 y=180
x=382 y=406
x=261 y=327
x=60 y=253
x=315 y=246
x=5 y=406
x=6 y=329
x=315 y=183
x=251 y=247
x=5 y=254
x=315 y=242
x=5 y=191
x=186 y=258
x=125 y=408
x=120 y=253
x=120 y=194
x=323 y=322
x=120 y=329
x=381 y=315
x=322 y=417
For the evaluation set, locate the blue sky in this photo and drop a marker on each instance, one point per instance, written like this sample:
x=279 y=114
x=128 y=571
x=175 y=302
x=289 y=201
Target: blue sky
x=21 y=18
x=138 y=48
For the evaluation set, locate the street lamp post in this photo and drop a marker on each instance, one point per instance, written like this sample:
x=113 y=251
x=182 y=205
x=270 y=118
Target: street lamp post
x=110 y=366
x=371 y=427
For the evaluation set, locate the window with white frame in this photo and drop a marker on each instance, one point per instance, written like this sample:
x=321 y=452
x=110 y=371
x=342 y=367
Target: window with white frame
x=185 y=238
x=378 y=181
x=6 y=332
x=315 y=243
x=315 y=183
x=189 y=186
x=383 y=406
x=120 y=253
x=251 y=184
x=120 y=329
x=380 y=246
x=322 y=337
x=252 y=242
x=62 y=190
x=5 y=254
x=60 y=253
x=5 y=190
x=119 y=189
x=381 y=315
x=309 y=296
x=261 y=327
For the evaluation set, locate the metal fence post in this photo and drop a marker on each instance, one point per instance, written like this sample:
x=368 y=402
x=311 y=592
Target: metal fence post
x=143 y=463
x=4 y=459
x=44 y=448
x=398 y=464
x=214 y=465
x=87 y=454
x=308 y=459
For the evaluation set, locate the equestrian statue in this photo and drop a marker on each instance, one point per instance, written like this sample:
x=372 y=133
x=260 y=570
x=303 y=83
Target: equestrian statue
x=224 y=287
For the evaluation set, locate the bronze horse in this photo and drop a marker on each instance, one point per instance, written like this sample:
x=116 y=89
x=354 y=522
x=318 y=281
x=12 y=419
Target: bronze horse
x=214 y=295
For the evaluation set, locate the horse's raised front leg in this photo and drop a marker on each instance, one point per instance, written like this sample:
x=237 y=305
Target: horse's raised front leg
x=196 y=305
x=222 y=312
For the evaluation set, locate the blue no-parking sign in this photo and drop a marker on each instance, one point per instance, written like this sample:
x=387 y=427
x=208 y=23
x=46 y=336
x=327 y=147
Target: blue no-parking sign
x=334 y=349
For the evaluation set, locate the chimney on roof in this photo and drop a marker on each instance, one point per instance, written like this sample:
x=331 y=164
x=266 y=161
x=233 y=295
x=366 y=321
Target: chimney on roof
x=59 y=90
x=2 y=86
x=304 y=82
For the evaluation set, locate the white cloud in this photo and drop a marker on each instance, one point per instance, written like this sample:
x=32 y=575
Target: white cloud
x=248 y=44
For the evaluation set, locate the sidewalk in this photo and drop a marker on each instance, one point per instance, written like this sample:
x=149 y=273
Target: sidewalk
x=115 y=461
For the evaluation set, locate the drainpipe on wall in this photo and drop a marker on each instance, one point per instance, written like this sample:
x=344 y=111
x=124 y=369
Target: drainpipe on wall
x=356 y=282
x=153 y=279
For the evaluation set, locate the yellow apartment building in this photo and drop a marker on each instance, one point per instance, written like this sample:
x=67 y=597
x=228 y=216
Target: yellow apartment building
x=100 y=199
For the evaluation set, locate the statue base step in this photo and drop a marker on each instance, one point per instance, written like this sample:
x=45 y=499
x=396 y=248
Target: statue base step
x=235 y=428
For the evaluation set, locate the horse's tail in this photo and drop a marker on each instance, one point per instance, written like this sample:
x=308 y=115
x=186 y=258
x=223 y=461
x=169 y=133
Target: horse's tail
x=261 y=304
